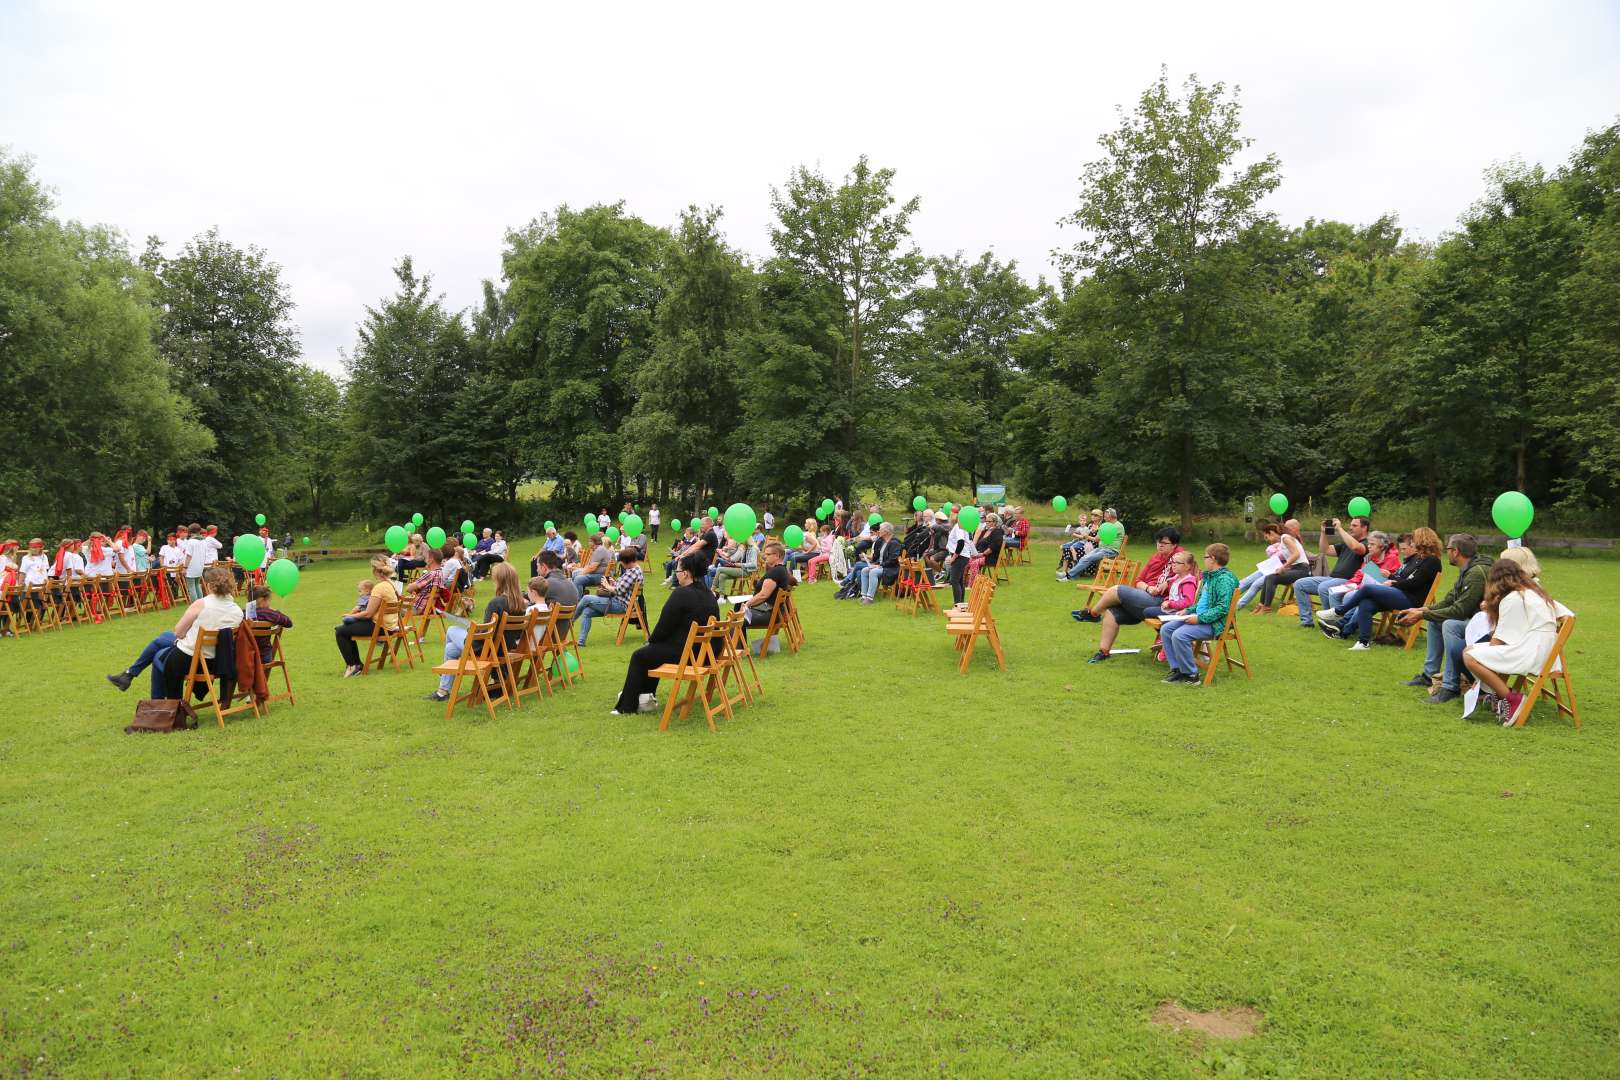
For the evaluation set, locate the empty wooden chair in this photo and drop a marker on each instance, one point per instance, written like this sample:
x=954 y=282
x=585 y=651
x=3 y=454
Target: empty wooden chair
x=558 y=658
x=974 y=621
x=735 y=657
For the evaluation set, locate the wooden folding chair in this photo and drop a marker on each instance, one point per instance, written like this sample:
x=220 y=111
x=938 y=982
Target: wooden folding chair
x=976 y=622
x=1408 y=634
x=269 y=632
x=695 y=675
x=735 y=657
x=1211 y=651
x=519 y=661
x=479 y=661
x=48 y=601
x=635 y=612
x=783 y=621
x=1553 y=680
x=199 y=675
x=386 y=645
x=1001 y=571
x=555 y=646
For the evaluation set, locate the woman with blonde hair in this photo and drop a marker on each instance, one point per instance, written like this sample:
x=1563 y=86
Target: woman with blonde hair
x=382 y=606
x=508 y=599
x=169 y=654
x=1526 y=626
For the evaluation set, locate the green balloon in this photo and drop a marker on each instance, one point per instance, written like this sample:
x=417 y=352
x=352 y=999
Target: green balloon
x=821 y=513
x=874 y=518
x=1059 y=503
x=827 y=507
x=918 y=503
x=248 y=551
x=612 y=535
x=557 y=665
x=946 y=508
x=469 y=540
x=714 y=512
x=435 y=537
x=396 y=538
x=1360 y=507
x=622 y=515
x=675 y=523
x=1278 y=503
x=282 y=577
x=1513 y=512
x=633 y=525
x=550 y=524
x=417 y=519
x=306 y=541
x=1109 y=533
x=793 y=536
x=968 y=518
x=258 y=519
x=590 y=522
x=467 y=526
x=740 y=520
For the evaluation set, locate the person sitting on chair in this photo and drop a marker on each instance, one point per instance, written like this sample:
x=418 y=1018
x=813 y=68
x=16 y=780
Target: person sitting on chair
x=1408 y=586
x=882 y=568
x=1525 y=628
x=1348 y=545
x=508 y=599
x=757 y=608
x=690 y=603
x=615 y=599
x=1132 y=605
x=385 y=592
x=1087 y=563
x=1178 y=633
x=1152 y=585
x=1446 y=621
x=1377 y=565
x=594 y=566
x=259 y=610
x=425 y=589
x=169 y=654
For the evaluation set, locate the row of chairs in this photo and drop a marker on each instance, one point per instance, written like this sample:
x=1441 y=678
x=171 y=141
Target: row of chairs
x=33 y=609
x=203 y=689
x=974 y=621
x=542 y=659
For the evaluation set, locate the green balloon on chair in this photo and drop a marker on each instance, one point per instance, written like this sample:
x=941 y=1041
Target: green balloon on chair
x=248 y=551
x=612 y=535
x=793 y=537
x=396 y=538
x=1512 y=511
x=435 y=537
x=467 y=526
x=417 y=519
x=918 y=503
x=1059 y=503
x=739 y=521
x=633 y=525
x=1109 y=534
x=258 y=519
x=968 y=518
x=468 y=540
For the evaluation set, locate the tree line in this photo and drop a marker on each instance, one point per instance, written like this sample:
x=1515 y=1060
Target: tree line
x=1192 y=348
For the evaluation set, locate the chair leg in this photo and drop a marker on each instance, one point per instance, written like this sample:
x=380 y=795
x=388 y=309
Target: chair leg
x=669 y=708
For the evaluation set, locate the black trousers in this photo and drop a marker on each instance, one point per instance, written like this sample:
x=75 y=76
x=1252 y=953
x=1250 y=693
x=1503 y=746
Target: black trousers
x=654 y=528
x=958 y=574
x=1268 y=591
x=347 y=631
x=636 y=679
x=482 y=564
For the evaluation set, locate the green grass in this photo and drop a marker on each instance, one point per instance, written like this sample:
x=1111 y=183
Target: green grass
x=884 y=868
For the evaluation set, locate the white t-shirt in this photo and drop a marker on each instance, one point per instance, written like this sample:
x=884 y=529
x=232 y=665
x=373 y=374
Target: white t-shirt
x=959 y=533
x=218 y=613
x=102 y=567
x=170 y=555
x=126 y=559
x=498 y=548
x=452 y=567
x=72 y=566
x=652 y=516
x=269 y=549
x=200 y=552
x=35 y=569
x=602 y=521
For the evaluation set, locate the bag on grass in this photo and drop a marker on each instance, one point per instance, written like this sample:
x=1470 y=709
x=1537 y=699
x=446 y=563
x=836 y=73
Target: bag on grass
x=158 y=714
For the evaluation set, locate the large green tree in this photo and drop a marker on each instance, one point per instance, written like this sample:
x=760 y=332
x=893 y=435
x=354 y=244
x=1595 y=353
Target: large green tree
x=1161 y=215
x=90 y=430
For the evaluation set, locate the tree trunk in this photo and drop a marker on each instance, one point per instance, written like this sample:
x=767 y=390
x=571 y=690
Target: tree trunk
x=1434 y=498
x=1184 y=485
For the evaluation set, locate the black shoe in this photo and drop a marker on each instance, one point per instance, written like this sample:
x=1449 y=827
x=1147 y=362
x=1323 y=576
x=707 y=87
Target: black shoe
x=121 y=680
x=1174 y=677
x=1098 y=658
x=1419 y=679
x=1088 y=616
x=438 y=695
x=1442 y=695
x=1331 y=632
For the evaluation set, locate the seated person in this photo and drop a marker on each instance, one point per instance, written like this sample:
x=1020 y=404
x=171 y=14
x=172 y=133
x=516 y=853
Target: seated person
x=1153 y=582
x=1087 y=563
x=988 y=539
x=882 y=568
x=616 y=592
x=1526 y=628
x=494 y=553
x=736 y=563
x=1377 y=566
x=508 y=600
x=427 y=589
x=1346 y=545
x=385 y=591
x=1280 y=546
x=1407 y=587
x=1082 y=538
x=169 y=654
x=689 y=604
x=1133 y=605
x=1178 y=633
x=919 y=534
x=259 y=610
x=595 y=566
x=757 y=609
x=1445 y=622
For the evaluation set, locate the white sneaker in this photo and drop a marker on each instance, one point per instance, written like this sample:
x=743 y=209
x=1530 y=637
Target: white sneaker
x=1330 y=616
x=648 y=704
x=1361 y=646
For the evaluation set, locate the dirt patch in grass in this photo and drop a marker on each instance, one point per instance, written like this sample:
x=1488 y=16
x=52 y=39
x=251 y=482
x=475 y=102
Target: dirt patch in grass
x=1237 y=1023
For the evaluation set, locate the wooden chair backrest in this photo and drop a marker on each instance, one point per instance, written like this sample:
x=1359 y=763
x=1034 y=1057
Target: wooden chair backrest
x=480 y=645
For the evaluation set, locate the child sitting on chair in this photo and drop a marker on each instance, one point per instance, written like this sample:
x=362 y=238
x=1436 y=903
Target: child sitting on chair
x=259 y=609
x=364 y=586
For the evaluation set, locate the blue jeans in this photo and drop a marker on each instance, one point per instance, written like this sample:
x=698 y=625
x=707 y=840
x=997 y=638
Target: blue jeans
x=1445 y=640
x=583 y=581
x=1367 y=602
x=455 y=640
x=1177 y=639
x=592 y=606
x=871 y=578
x=1088 y=565
x=1251 y=587
x=1307 y=587
x=147 y=659
x=194 y=588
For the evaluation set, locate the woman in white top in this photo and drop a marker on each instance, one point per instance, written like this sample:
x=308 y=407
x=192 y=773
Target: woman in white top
x=169 y=654
x=1526 y=627
x=959 y=551
x=99 y=562
x=654 y=518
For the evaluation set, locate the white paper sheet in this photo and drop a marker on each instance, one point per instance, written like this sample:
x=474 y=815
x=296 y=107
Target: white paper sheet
x=1272 y=565
x=1470 y=701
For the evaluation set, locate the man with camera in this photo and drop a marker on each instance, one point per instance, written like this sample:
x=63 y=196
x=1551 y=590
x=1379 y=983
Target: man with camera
x=1348 y=546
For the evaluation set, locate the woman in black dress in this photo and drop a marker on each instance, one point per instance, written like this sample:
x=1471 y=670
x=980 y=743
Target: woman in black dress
x=689 y=603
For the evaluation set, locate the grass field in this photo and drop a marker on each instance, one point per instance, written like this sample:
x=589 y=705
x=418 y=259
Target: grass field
x=886 y=868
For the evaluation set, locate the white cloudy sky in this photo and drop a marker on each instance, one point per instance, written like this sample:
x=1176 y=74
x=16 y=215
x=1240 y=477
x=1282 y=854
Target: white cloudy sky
x=340 y=136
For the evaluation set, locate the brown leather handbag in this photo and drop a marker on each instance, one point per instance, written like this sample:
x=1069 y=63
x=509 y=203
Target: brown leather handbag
x=158 y=714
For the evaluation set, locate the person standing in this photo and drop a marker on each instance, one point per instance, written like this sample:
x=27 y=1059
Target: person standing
x=198 y=555
x=654 y=518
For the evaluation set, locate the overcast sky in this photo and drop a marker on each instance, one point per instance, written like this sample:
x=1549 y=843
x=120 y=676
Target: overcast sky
x=342 y=136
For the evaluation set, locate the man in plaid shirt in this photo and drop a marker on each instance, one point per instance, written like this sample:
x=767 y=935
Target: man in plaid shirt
x=618 y=589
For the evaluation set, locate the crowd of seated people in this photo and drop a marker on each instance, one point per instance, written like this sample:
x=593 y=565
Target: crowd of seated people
x=1086 y=547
